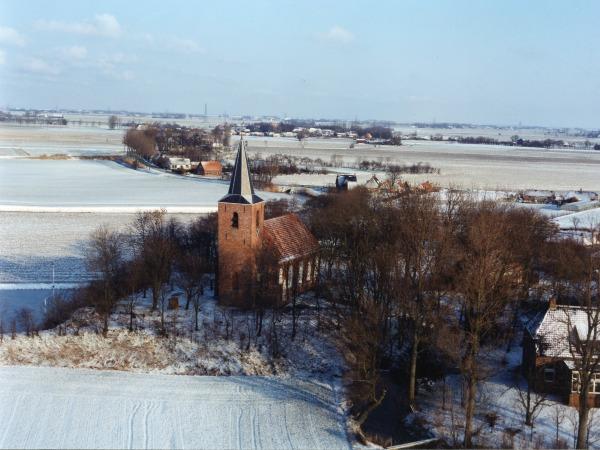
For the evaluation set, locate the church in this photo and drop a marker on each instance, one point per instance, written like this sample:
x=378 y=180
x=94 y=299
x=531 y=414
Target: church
x=243 y=232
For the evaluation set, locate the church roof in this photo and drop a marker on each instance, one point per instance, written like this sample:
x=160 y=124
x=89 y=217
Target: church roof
x=240 y=186
x=289 y=237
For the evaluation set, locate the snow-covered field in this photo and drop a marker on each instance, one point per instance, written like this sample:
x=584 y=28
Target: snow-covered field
x=33 y=244
x=469 y=166
x=68 y=408
x=479 y=166
x=27 y=140
x=75 y=185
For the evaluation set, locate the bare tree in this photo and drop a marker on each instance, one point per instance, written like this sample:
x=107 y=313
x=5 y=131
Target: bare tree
x=113 y=121
x=104 y=258
x=558 y=416
x=486 y=282
x=155 y=244
x=26 y=321
x=530 y=402
x=584 y=334
x=424 y=252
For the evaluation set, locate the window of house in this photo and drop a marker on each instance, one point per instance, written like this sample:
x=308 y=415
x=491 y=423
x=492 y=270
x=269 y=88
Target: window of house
x=308 y=271
x=549 y=374
x=290 y=276
x=300 y=272
x=235 y=220
x=281 y=276
x=575 y=382
x=595 y=385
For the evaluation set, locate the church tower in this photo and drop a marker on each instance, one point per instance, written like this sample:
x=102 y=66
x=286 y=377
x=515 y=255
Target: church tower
x=240 y=222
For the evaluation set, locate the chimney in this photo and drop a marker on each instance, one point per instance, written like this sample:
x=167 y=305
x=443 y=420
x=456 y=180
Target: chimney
x=552 y=303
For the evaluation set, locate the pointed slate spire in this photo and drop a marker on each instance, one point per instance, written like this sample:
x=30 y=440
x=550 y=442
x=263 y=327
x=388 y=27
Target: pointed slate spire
x=240 y=186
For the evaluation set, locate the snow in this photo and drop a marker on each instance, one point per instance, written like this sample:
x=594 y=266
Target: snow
x=469 y=166
x=499 y=395
x=582 y=220
x=68 y=408
x=32 y=244
x=87 y=185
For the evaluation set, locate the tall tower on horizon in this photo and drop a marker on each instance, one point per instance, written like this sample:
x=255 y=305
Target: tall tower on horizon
x=241 y=216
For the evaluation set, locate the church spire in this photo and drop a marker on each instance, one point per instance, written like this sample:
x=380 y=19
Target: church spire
x=240 y=186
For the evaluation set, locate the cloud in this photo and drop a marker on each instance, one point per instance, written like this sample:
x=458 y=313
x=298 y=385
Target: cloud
x=11 y=36
x=338 y=34
x=112 y=66
x=39 y=66
x=105 y=25
x=184 y=45
x=75 y=52
x=2 y=57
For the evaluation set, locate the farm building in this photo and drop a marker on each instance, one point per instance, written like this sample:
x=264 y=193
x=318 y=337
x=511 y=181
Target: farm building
x=210 y=168
x=283 y=247
x=550 y=352
x=345 y=181
x=179 y=164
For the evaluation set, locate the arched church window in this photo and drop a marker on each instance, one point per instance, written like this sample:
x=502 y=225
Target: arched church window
x=235 y=220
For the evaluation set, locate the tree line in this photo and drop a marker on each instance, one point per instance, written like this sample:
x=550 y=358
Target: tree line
x=425 y=287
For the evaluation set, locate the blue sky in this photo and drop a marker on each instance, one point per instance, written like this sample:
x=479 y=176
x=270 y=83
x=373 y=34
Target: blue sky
x=505 y=62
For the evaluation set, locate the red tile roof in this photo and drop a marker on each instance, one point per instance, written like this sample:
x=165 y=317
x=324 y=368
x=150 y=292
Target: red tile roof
x=211 y=165
x=290 y=237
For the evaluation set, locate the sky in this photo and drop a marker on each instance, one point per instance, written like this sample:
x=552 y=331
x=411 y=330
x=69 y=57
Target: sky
x=487 y=62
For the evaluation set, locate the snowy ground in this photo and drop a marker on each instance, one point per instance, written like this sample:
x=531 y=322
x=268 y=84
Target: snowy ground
x=478 y=166
x=102 y=186
x=19 y=141
x=470 y=166
x=498 y=396
x=33 y=244
x=67 y=408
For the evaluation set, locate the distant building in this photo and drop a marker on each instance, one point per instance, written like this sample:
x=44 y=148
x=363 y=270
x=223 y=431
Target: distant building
x=243 y=234
x=179 y=164
x=210 y=168
x=345 y=181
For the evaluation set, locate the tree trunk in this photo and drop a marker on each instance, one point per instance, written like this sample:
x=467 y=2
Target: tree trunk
x=471 y=379
x=260 y=322
x=155 y=294
x=584 y=411
x=528 y=417
x=293 y=317
x=412 y=375
x=470 y=411
x=188 y=296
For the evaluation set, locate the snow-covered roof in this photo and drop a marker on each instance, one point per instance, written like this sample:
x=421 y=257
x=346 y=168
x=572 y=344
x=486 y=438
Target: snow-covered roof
x=555 y=330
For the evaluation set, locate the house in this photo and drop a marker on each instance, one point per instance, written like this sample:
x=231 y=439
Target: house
x=243 y=234
x=550 y=357
x=179 y=164
x=533 y=196
x=345 y=181
x=210 y=168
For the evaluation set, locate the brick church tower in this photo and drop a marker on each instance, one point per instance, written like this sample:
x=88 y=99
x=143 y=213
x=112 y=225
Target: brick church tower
x=240 y=223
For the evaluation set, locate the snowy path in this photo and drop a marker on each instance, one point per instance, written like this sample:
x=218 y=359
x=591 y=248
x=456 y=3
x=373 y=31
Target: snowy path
x=67 y=408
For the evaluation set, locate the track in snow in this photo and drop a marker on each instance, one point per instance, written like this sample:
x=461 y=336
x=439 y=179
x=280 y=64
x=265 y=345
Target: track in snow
x=67 y=408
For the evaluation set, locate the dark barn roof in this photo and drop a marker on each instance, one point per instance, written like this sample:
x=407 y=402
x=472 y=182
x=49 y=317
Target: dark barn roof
x=240 y=187
x=289 y=237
